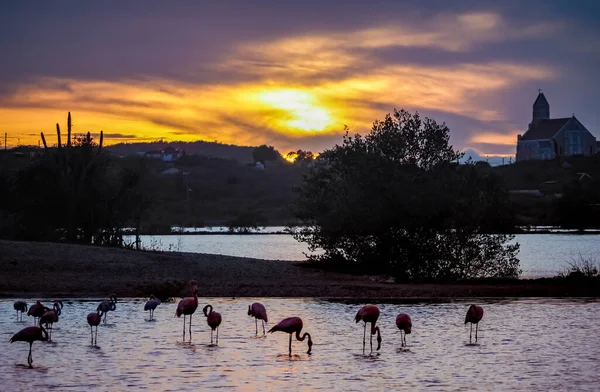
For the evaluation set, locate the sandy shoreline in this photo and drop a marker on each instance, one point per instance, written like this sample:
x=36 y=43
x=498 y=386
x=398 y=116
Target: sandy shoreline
x=31 y=269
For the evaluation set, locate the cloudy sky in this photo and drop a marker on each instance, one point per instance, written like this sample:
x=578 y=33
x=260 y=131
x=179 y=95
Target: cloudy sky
x=292 y=74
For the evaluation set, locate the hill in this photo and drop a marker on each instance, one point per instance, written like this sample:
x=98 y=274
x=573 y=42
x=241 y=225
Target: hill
x=241 y=154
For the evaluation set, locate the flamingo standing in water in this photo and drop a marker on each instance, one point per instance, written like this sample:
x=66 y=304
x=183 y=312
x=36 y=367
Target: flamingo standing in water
x=291 y=325
x=37 y=310
x=188 y=306
x=108 y=305
x=50 y=317
x=369 y=314
x=30 y=335
x=20 y=306
x=151 y=305
x=258 y=311
x=474 y=316
x=94 y=320
x=213 y=319
x=404 y=324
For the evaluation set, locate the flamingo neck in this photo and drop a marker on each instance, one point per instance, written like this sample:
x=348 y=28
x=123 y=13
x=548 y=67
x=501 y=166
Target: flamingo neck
x=207 y=310
x=195 y=292
x=303 y=336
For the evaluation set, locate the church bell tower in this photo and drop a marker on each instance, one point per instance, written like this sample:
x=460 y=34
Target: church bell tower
x=541 y=108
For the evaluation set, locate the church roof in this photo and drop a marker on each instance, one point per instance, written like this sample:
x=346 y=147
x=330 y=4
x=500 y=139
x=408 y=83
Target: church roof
x=545 y=129
x=541 y=100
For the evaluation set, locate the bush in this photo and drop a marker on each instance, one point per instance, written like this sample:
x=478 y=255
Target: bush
x=397 y=202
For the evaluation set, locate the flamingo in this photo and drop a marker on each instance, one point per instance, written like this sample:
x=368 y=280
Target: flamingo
x=151 y=305
x=108 y=305
x=474 y=316
x=20 y=306
x=291 y=325
x=258 y=311
x=94 y=320
x=369 y=314
x=188 y=306
x=404 y=324
x=37 y=310
x=213 y=319
x=50 y=317
x=30 y=335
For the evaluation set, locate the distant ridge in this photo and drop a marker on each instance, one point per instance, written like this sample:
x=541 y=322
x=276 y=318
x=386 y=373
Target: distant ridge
x=242 y=154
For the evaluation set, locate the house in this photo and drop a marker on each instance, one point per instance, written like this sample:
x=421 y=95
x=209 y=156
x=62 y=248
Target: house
x=548 y=138
x=167 y=154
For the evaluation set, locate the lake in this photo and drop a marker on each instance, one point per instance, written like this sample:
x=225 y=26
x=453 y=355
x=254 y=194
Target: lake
x=541 y=255
x=534 y=344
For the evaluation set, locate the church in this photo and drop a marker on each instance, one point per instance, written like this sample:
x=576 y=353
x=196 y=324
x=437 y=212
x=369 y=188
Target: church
x=548 y=138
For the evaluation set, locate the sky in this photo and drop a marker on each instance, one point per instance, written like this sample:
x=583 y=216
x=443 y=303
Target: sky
x=294 y=74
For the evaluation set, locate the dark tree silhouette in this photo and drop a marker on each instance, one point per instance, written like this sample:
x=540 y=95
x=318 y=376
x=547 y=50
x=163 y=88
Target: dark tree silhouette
x=395 y=200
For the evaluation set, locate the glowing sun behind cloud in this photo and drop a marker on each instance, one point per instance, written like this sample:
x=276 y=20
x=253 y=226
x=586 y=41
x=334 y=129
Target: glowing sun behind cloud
x=300 y=110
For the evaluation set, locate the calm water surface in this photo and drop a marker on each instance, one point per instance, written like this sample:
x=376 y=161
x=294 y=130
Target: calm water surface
x=536 y=345
x=541 y=255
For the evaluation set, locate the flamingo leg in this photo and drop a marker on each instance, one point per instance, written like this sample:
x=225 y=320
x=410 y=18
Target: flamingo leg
x=290 y=345
x=211 y=336
x=190 y=327
x=471 y=334
x=184 y=327
x=217 y=335
x=476 y=328
x=256 y=320
x=29 y=358
x=364 y=337
x=263 y=324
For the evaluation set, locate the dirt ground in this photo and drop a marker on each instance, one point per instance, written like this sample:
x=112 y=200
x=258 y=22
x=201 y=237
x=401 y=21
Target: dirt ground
x=32 y=269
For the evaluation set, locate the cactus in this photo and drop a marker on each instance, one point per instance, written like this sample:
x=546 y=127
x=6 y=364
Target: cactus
x=73 y=186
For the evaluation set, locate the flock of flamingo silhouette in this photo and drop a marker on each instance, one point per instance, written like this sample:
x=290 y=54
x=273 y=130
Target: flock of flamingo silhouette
x=187 y=307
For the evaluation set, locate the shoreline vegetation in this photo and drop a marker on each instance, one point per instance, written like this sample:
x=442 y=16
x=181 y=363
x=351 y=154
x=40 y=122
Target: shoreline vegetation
x=207 y=230
x=42 y=269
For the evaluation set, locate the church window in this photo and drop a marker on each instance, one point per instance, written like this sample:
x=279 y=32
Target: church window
x=574 y=143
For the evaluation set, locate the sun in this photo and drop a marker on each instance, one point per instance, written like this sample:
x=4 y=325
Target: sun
x=301 y=108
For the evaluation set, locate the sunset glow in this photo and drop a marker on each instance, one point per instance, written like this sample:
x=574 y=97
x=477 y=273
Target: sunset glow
x=300 y=87
x=298 y=109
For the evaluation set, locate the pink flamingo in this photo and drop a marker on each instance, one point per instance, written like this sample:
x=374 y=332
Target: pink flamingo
x=94 y=320
x=30 y=335
x=258 y=311
x=108 y=305
x=404 y=324
x=50 y=317
x=20 y=306
x=474 y=316
x=151 y=305
x=37 y=310
x=369 y=314
x=188 y=306
x=213 y=319
x=291 y=325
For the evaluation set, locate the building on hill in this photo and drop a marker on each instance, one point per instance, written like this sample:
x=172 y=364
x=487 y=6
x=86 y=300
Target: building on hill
x=167 y=154
x=548 y=138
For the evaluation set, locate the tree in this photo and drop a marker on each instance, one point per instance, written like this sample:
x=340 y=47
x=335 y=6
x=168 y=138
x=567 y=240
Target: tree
x=579 y=206
x=77 y=193
x=247 y=221
x=301 y=157
x=397 y=201
x=265 y=153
